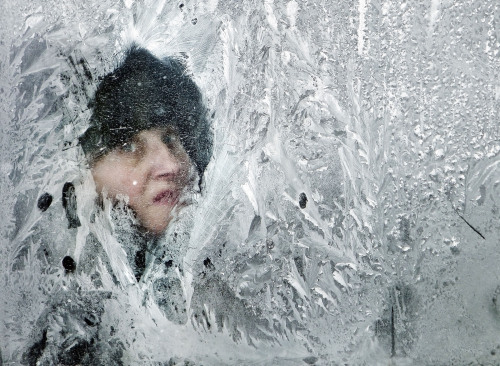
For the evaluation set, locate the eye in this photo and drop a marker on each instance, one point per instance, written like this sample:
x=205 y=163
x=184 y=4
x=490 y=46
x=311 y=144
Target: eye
x=169 y=138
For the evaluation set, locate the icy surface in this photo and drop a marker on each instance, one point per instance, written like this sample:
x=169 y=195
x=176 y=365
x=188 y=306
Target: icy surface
x=350 y=212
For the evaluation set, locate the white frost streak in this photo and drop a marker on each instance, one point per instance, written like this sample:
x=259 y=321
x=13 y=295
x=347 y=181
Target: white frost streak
x=291 y=9
x=227 y=38
x=128 y=3
x=325 y=295
x=434 y=13
x=271 y=18
x=340 y=280
x=361 y=26
x=251 y=196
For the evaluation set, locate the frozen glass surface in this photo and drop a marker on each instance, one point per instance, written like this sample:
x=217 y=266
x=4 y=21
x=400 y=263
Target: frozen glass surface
x=349 y=214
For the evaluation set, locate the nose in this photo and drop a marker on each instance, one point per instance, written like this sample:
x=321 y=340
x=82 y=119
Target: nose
x=163 y=164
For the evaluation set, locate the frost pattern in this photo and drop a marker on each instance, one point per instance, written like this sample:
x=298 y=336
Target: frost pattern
x=350 y=212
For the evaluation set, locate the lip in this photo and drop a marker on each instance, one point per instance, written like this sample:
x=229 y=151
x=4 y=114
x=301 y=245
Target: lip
x=167 y=197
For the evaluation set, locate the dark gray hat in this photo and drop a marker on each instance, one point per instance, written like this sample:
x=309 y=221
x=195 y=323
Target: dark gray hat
x=144 y=93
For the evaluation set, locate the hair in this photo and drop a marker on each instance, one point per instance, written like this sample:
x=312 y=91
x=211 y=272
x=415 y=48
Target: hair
x=145 y=92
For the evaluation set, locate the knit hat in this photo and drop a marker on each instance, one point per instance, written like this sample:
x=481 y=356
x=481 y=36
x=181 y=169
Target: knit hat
x=144 y=93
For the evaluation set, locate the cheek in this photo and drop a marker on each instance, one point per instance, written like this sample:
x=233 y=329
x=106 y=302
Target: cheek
x=118 y=181
x=132 y=183
x=134 y=189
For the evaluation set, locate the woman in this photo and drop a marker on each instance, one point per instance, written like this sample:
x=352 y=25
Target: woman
x=148 y=131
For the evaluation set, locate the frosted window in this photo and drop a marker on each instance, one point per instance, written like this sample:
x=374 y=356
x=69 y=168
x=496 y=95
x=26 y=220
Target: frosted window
x=349 y=212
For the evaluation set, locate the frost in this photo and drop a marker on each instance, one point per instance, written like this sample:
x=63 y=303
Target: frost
x=349 y=214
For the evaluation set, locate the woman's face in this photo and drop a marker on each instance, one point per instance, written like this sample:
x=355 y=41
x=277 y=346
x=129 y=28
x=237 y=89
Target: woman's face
x=151 y=170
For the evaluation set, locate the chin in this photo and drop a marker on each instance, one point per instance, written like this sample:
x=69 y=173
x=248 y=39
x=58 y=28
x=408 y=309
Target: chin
x=156 y=220
x=157 y=228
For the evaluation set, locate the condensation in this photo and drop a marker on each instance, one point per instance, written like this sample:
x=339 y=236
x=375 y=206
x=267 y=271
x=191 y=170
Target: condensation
x=350 y=213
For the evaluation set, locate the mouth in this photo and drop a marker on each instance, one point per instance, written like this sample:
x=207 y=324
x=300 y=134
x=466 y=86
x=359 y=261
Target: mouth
x=166 y=198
